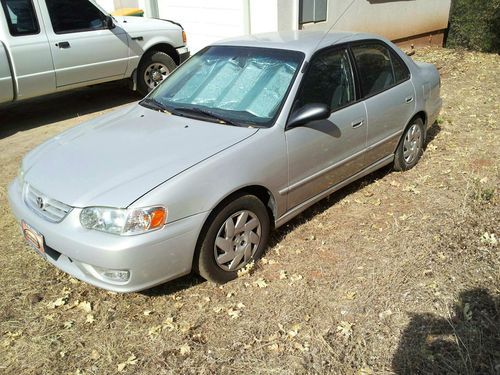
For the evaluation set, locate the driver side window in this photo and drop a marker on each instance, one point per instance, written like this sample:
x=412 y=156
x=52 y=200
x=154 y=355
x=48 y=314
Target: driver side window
x=69 y=16
x=329 y=80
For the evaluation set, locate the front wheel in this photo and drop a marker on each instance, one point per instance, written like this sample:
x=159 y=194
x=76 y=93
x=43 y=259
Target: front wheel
x=236 y=235
x=154 y=67
x=410 y=147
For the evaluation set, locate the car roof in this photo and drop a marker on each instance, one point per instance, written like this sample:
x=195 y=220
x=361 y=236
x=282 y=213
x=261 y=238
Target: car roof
x=303 y=41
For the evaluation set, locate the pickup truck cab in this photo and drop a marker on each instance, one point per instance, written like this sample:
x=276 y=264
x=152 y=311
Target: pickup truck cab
x=48 y=46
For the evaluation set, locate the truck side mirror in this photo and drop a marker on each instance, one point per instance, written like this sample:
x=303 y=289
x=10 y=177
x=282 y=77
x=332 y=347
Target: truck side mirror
x=108 y=21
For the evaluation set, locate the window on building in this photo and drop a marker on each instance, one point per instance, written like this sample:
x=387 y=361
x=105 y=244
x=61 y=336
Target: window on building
x=312 y=11
x=329 y=80
x=21 y=17
x=69 y=16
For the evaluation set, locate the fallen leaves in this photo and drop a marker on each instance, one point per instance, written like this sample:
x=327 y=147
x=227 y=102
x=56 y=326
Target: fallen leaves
x=132 y=360
x=345 y=329
x=233 y=313
x=185 y=349
x=261 y=283
x=61 y=301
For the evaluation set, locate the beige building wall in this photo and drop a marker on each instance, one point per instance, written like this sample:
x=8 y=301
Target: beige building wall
x=396 y=20
x=206 y=21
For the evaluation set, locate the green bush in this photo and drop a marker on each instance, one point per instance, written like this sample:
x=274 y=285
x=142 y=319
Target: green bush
x=475 y=25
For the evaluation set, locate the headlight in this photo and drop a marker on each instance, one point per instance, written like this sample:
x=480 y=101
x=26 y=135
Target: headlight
x=123 y=222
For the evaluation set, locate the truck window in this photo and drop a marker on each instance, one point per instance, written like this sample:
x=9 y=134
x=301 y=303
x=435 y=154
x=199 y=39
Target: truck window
x=69 y=16
x=21 y=17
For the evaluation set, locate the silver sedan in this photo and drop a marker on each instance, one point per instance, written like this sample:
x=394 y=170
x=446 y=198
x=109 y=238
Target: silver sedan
x=241 y=138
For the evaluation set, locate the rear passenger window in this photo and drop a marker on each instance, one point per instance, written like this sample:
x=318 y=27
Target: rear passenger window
x=374 y=67
x=69 y=16
x=401 y=71
x=328 y=80
x=21 y=17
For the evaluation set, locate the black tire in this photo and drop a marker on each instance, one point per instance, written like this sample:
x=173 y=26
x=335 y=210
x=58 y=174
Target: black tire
x=402 y=159
x=206 y=264
x=150 y=58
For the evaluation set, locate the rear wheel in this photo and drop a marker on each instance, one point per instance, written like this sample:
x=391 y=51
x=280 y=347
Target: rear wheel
x=236 y=235
x=154 y=67
x=410 y=147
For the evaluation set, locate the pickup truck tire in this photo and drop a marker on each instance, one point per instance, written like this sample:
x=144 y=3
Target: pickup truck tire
x=153 y=68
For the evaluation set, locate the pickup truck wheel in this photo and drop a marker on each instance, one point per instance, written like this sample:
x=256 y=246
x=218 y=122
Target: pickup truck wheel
x=154 y=67
x=410 y=147
x=237 y=234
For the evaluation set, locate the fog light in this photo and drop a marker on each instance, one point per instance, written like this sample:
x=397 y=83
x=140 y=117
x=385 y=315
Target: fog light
x=119 y=276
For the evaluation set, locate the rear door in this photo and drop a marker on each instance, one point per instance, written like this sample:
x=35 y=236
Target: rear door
x=29 y=50
x=389 y=96
x=84 y=49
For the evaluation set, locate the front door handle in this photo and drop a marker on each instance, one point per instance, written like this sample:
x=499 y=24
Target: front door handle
x=63 y=45
x=357 y=124
x=409 y=99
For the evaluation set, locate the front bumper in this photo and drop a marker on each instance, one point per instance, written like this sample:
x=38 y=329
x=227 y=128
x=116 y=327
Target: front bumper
x=152 y=258
x=184 y=54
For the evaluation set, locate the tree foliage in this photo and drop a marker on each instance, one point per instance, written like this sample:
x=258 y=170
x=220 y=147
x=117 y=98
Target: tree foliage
x=475 y=25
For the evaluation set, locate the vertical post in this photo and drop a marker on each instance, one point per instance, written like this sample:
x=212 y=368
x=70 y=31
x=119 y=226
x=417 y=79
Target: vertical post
x=247 y=21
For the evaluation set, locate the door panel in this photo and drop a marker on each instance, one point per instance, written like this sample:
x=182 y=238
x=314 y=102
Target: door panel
x=83 y=48
x=6 y=87
x=29 y=49
x=325 y=153
x=390 y=102
x=388 y=114
x=90 y=56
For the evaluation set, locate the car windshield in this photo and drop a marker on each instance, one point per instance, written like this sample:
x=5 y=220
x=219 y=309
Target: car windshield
x=232 y=85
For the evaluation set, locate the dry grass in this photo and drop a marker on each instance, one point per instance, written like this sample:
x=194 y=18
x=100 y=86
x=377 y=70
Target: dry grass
x=398 y=273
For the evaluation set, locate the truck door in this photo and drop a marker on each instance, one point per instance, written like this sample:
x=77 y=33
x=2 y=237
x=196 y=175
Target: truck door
x=6 y=87
x=31 y=61
x=84 y=47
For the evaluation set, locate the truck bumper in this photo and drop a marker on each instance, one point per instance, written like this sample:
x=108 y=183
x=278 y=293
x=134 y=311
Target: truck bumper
x=184 y=54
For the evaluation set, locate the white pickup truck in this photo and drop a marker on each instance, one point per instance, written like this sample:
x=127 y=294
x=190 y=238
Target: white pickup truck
x=48 y=46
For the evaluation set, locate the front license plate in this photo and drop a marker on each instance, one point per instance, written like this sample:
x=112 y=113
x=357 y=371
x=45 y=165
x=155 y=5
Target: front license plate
x=33 y=238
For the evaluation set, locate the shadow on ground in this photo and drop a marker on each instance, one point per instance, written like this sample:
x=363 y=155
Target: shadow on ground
x=467 y=342
x=32 y=113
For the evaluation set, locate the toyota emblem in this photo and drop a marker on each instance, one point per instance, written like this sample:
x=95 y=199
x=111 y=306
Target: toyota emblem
x=39 y=202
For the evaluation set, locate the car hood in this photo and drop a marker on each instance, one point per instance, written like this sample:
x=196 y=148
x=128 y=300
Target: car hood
x=115 y=159
x=131 y=24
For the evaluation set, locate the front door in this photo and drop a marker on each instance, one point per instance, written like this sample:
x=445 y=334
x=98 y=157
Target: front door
x=84 y=49
x=324 y=153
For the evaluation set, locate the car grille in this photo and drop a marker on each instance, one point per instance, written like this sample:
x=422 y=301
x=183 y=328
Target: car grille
x=48 y=208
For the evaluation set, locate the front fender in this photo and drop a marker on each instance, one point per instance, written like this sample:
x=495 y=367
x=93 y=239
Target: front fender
x=202 y=187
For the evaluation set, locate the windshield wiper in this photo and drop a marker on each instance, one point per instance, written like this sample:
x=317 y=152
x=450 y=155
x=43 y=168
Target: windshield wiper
x=207 y=113
x=153 y=104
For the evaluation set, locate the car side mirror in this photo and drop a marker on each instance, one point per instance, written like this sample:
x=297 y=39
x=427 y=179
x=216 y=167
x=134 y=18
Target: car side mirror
x=308 y=113
x=108 y=21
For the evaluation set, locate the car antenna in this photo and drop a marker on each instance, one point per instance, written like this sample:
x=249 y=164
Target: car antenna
x=338 y=19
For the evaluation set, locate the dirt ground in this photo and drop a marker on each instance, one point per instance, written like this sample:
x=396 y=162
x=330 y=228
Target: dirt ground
x=397 y=273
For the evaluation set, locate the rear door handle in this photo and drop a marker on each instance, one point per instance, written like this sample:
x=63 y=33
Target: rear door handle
x=357 y=124
x=63 y=45
x=409 y=99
